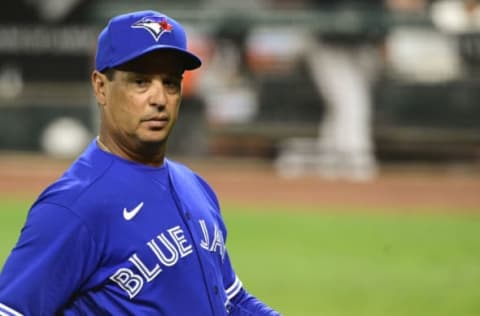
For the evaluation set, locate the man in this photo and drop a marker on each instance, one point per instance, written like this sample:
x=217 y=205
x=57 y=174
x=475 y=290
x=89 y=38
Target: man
x=126 y=231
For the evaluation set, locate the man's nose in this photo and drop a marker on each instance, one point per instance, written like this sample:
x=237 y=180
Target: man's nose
x=158 y=95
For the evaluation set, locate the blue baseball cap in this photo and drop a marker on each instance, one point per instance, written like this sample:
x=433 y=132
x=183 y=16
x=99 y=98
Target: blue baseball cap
x=134 y=34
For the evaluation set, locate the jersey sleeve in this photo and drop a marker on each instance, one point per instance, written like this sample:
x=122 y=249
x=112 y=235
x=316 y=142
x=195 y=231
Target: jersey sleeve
x=210 y=193
x=241 y=302
x=245 y=304
x=53 y=256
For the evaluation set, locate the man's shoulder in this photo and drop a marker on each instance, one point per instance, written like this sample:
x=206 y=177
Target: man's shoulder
x=86 y=178
x=179 y=167
x=180 y=172
x=185 y=179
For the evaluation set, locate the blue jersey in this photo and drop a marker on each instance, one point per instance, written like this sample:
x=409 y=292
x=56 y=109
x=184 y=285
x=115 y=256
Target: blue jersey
x=114 y=237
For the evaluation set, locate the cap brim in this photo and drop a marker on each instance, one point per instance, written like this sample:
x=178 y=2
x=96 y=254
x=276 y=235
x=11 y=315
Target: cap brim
x=190 y=60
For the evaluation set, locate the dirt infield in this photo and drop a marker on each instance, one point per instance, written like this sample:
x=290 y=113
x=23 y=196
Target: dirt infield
x=403 y=189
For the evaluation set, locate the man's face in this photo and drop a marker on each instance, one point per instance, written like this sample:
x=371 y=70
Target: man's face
x=141 y=101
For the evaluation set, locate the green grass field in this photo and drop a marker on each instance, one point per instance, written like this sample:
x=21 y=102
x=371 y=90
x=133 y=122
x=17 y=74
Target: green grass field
x=308 y=263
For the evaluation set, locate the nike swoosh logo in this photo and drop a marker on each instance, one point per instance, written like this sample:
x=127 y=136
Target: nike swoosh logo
x=128 y=215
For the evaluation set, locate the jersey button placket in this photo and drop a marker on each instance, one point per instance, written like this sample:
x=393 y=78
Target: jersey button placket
x=215 y=290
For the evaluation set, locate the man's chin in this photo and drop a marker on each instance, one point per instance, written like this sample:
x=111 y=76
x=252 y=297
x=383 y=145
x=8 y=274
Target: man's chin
x=153 y=140
x=152 y=135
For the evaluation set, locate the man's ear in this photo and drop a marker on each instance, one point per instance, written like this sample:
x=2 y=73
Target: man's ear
x=99 y=82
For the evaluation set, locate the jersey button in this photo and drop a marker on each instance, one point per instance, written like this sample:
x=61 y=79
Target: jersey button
x=228 y=307
x=215 y=290
x=188 y=216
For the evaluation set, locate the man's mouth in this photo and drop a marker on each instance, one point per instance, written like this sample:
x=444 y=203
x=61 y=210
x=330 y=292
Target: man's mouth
x=156 y=122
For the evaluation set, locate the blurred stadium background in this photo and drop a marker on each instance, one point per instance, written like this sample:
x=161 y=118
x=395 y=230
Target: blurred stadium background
x=256 y=90
x=403 y=241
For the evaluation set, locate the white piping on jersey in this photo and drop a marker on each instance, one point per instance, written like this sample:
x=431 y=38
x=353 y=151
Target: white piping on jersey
x=234 y=288
x=8 y=311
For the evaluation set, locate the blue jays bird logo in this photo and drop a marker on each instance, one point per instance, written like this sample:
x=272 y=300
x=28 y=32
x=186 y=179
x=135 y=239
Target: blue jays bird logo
x=157 y=26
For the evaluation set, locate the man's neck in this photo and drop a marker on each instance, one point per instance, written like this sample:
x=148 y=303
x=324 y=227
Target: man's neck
x=147 y=154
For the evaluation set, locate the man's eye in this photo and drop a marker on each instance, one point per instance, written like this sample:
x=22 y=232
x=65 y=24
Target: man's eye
x=140 y=81
x=172 y=84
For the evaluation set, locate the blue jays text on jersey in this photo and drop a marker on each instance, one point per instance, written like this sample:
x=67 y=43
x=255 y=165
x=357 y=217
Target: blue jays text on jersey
x=114 y=237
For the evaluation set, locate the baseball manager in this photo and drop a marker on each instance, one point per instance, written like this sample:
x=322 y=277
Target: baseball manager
x=126 y=231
